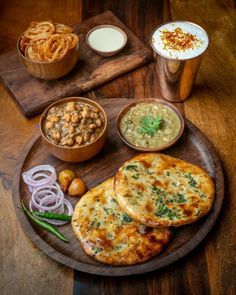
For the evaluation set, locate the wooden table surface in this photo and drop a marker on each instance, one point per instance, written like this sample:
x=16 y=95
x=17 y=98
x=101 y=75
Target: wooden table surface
x=211 y=267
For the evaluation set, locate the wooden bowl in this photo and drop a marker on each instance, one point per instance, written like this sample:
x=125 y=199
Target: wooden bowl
x=50 y=70
x=150 y=100
x=111 y=52
x=75 y=154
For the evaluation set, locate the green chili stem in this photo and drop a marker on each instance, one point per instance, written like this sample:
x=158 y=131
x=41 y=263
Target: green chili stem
x=45 y=225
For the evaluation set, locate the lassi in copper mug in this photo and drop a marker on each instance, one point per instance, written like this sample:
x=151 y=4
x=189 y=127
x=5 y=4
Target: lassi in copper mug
x=178 y=49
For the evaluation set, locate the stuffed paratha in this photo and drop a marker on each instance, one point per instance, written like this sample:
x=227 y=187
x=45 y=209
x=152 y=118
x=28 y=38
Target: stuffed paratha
x=159 y=190
x=109 y=235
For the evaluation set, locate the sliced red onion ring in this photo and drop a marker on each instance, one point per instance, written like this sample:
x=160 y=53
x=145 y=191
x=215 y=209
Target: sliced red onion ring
x=41 y=176
x=31 y=179
x=41 y=194
x=48 y=200
x=49 y=191
x=47 y=195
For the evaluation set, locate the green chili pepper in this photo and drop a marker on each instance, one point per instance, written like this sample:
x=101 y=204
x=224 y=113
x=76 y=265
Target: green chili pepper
x=51 y=215
x=45 y=225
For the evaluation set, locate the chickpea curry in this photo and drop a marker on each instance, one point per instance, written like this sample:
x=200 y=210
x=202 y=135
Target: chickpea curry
x=73 y=124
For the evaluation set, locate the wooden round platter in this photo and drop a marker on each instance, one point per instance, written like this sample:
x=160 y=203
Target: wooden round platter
x=193 y=147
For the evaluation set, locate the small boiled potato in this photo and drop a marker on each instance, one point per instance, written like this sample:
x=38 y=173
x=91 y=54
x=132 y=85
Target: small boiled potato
x=65 y=177
x=77 y=187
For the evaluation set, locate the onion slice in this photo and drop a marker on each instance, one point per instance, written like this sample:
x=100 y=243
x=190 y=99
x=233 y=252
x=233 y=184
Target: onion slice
x=47 y=195
x=30 y=176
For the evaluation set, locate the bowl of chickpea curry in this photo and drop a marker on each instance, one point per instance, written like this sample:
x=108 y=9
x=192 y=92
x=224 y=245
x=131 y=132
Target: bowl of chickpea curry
x=74 y=128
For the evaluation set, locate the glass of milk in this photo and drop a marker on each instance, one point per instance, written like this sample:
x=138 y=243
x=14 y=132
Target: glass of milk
x=178 y=49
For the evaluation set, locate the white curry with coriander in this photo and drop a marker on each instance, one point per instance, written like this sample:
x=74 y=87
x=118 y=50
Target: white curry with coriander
x=150 y=125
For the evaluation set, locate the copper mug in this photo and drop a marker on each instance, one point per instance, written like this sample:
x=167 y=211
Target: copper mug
x=176 y=76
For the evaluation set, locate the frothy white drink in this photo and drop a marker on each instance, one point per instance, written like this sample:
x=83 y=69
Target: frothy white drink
x=180 y=40
x=106 y=39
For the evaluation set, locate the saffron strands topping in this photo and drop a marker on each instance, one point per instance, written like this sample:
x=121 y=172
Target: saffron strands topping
x=179 y=40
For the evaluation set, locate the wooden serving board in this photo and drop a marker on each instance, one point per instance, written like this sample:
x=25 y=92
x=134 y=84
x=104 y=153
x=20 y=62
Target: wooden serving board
x=193 y=146
x=34 y=95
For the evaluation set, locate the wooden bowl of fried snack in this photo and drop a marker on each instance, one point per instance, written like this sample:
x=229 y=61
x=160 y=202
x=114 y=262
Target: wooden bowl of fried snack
x=48 y=50
x=74 y=129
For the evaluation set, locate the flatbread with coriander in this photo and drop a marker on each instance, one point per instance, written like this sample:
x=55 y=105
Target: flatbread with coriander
x=159 y=190
x=109 y=235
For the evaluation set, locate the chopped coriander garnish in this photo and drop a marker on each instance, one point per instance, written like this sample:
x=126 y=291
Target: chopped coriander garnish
x=158 y=191
x=108 y=210
x=162 y=210
x=150 y=173
x=95 y=223
x=131 y=167
x=179 y=198
x=136 y=176
x=149 y=125
x=165 y=211
x=191 y=181
x=96 y=249
x=125 y=218
x=117 y=247
x=171 y=214
x=200 y=193
x=110 y=236
x=140 y=195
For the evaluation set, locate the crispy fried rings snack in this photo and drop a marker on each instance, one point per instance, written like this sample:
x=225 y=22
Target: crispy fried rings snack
x=62 y=29
x=46 y=41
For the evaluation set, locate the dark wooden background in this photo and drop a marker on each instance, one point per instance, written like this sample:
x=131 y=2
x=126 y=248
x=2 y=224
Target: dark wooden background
x=211 y=267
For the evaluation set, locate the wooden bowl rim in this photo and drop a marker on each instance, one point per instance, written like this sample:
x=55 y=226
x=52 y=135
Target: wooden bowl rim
x=45 y=62
x=150 y=100
x=107 y=26
x=68 y=99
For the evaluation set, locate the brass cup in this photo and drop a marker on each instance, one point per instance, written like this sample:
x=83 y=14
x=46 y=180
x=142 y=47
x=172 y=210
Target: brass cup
x=176 y=76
